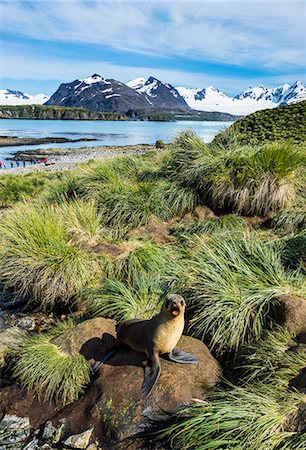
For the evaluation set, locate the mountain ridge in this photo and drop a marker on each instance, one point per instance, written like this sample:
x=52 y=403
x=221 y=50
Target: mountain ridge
x=112 y=96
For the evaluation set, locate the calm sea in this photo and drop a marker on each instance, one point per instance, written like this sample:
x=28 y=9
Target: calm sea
x=106 y=132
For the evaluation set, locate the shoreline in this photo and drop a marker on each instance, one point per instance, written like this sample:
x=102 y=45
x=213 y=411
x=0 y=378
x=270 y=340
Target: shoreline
x=12 y=141
x=67 y=158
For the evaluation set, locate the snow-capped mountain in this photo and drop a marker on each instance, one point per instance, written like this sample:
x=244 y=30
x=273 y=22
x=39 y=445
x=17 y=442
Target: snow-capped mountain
x=161 y=95
x=248 y=101
x=100 y=94
x=9 y=97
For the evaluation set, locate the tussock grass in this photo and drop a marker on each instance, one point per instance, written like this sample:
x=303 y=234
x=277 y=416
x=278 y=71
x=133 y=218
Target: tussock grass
x=50 y=373
x=227 y=139
x=255 y=417
x=37 y=257
x=273 y=359
x=140 y=258
x=294 y=251
x=245 y=180
x=83 y=222
x=227 y=223
x=123 y=301
x=290 y=220
x=16 y=188
x=235 y=284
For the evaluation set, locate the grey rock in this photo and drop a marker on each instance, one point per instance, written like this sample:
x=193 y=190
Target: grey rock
x=33 y=445
x=14 y=431
x=55 y=435
x=26 y=323
x=80 y=441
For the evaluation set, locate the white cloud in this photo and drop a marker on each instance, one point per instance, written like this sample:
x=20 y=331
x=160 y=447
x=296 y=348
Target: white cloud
x=267 y=34
x=34 y=67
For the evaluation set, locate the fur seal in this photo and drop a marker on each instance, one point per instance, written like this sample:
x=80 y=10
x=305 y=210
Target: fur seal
x=155 y=337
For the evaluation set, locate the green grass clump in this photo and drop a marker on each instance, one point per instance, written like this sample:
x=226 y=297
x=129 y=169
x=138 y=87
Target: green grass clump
x=15 y=188
x=138 y=258
x=50 y=373
x=290 y=220
x=123 y=301
x=273 y=359
x=83 y=222
x=235 y=283
x=255 y=417
x=38 y=258
x=294 y=251
x=245 y=180
x=227 y=223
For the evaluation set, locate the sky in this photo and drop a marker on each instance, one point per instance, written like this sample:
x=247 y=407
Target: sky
x=228 y=44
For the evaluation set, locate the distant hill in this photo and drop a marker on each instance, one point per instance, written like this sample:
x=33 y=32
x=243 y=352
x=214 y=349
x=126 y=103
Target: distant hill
x=42 y=112
x=281 y=123
x=54 y=113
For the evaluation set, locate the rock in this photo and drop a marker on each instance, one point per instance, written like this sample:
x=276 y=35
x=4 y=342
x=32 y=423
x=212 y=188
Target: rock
x=14 y=431
x=56 y=434
x=79 y=440
x=33 y=445
x=113 y=403
x=292 y=314
x=26 y=323
x=10 y=340
x=112 y=408
x=98 y=329
x=94 y=446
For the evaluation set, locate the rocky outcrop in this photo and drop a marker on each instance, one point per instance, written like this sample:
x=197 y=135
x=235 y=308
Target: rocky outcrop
x=112 y=408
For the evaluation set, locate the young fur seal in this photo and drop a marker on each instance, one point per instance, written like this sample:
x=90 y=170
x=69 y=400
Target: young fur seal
x=155 y=337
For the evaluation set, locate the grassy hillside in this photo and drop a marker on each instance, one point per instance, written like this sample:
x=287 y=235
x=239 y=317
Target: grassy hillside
x=54 y=113
x=223 y=225
x=281 y=123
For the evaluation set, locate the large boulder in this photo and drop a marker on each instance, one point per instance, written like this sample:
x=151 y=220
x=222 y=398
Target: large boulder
x=112 y=407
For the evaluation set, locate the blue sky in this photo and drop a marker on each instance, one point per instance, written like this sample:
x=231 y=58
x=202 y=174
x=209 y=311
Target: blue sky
x=231 y=45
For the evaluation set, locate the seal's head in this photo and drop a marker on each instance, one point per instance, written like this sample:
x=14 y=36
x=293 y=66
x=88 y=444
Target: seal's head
x=175 y=305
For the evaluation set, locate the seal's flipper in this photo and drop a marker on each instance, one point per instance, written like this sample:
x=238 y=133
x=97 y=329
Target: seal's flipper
x=181 y=357
x=96 y=366
x=151 y=376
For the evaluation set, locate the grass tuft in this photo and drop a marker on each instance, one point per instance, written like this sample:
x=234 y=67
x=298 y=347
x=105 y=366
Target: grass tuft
x=123 y=301
x=50 y=373
x=235 y=284
x=38 y=259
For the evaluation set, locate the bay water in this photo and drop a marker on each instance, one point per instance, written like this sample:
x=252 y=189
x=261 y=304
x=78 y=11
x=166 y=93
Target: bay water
x=106 y=132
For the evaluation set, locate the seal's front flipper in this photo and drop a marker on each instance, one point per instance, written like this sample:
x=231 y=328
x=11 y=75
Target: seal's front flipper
x=96 y=366
x=179 y=356
x=151 y=376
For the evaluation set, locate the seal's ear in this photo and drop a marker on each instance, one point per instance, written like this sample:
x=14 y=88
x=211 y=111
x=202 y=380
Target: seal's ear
x=183 y=303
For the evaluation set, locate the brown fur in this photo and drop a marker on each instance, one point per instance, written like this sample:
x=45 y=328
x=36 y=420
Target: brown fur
x=158 y=335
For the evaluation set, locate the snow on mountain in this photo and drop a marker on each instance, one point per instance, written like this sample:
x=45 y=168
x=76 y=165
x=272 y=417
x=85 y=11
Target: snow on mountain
x=160 y=94
x=137 y=83
x=207 y=99
x=248 y=101
x=9 y=97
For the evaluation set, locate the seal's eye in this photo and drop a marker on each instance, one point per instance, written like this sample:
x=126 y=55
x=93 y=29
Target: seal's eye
x=182 y=302
x=167 y=304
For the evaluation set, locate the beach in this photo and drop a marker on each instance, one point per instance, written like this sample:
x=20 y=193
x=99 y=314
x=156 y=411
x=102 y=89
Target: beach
x=67 y=158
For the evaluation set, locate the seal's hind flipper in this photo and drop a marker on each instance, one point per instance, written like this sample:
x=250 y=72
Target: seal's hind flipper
x=179 y=356
x=151 y=376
